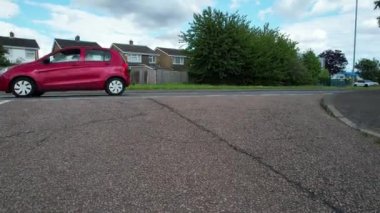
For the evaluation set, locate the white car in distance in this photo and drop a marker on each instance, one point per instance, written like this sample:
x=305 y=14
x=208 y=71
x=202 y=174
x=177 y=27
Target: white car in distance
x=365 y=83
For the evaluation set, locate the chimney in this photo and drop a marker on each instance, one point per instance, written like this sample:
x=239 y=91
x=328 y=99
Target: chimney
x=130 y=42
x=77 y=38
x=11 y=34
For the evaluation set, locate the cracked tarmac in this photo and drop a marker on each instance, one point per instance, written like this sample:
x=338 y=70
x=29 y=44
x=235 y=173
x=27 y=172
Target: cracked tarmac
x=181 y=154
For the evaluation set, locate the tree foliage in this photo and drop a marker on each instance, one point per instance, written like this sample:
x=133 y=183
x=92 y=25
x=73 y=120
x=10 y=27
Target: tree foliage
x=324 y=77
x=312 y=64
x=369 y=69
x=335 y=61
x=217 y=46
x=3 y=61
x=224 y=49
x=377 y=6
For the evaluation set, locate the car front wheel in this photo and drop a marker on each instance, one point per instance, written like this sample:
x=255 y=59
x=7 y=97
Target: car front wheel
x=115 y=86
x=23 y=87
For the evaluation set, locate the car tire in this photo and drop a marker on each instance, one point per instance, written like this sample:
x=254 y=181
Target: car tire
x=366 y=85
x=115 y=86
x=355 y=85
x=23 y=87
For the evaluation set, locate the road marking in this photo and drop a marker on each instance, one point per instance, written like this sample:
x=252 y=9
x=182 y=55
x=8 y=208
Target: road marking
x=4 y=102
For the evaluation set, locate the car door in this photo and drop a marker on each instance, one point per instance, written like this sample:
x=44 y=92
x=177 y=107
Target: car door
x=61 y=71
x=96 y=62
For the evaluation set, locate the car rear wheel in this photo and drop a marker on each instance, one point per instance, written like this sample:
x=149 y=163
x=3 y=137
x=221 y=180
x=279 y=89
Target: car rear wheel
x=23 y=87
x=366 y=85
x=115 y=86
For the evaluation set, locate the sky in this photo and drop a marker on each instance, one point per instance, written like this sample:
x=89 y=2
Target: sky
x=315 y=24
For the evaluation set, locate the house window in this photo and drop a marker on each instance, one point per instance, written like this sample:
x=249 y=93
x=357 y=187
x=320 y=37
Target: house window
x=30 y=54
x=177 y=60
x=134 y=58
x=152 y=59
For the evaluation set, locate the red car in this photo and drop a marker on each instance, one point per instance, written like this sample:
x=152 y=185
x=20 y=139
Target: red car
x=74 y=68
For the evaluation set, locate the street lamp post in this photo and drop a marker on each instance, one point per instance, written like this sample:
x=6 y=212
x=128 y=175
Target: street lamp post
x=356 y=26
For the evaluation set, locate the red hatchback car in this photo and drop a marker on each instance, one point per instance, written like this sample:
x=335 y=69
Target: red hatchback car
x=74 y=68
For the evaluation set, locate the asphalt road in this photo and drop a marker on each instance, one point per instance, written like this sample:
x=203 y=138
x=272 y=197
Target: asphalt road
x=361 y=107
x=264 y=152
x=176 y=93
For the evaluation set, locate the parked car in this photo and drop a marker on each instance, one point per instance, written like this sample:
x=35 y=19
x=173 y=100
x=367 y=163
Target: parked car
x=74 y=68
x=365 y=83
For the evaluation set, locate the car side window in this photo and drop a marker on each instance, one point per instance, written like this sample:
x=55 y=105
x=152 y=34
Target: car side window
x=66 y=56
x=98 y=55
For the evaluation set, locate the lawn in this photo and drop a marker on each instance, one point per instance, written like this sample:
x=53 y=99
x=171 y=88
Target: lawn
x=185 y=86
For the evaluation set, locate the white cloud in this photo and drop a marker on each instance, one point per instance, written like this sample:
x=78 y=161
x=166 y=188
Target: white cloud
x=264 y=13
x=337 y=31
x=67 y=22
x=146 y=12
x=8 y=9
x=235 y=4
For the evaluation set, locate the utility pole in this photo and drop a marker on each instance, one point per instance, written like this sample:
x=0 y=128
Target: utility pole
x=356 y=26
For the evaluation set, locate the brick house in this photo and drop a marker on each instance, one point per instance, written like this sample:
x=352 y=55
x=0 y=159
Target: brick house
x=19 y=50
x=171 y=59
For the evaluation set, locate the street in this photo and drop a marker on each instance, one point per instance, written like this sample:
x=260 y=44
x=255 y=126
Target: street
x=257 y=151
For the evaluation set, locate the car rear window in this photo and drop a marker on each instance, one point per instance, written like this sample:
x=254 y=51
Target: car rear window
x=98 y=55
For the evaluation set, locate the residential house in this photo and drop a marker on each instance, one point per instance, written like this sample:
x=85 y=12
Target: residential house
x=63 y=43
x=137 y=55
x=141 y=60
x=19 y=50
x=171 y=59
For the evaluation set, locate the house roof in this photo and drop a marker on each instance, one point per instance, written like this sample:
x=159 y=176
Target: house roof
x=18 y=42
x=135 y=48
x=63 y=43
x=170 y=51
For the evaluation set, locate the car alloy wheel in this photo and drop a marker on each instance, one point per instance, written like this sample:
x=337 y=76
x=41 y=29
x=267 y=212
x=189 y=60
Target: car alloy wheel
x=23 y=87
x=115 y=86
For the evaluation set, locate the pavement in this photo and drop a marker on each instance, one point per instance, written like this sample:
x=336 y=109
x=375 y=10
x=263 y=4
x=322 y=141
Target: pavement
x=359 y=109
x=257 y=152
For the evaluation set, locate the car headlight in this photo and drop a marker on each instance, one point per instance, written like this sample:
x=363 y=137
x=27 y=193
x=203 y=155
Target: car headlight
x=4 y=70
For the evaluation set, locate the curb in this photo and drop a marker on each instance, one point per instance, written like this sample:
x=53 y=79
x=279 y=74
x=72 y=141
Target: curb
x=328 y=105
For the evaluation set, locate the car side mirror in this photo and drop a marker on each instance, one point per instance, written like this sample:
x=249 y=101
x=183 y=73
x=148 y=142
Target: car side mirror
x=46 y=61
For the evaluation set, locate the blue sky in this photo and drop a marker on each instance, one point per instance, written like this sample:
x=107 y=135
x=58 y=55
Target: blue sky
x=314 y=24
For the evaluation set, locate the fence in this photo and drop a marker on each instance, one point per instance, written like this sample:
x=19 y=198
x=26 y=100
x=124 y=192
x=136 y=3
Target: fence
x=146 y=75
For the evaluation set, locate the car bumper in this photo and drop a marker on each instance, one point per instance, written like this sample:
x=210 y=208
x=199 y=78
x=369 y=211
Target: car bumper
x=4 y=83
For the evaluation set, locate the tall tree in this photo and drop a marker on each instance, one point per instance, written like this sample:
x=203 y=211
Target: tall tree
x=217 y=47
x=369 y=69
x=3 y=61
x=377 y=6
x=335 y=61
x=312 y=64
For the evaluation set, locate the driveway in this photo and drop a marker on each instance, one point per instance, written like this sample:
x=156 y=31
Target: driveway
x=232 y=153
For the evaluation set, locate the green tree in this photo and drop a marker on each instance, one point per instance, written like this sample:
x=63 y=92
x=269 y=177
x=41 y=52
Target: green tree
x=273 y=58
x=377 y=6
x=224 y=49
x=312 y=64
x=3 y=61
x=335 y=61
x=324 y=77
x=369 y=69
x=217 y=47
